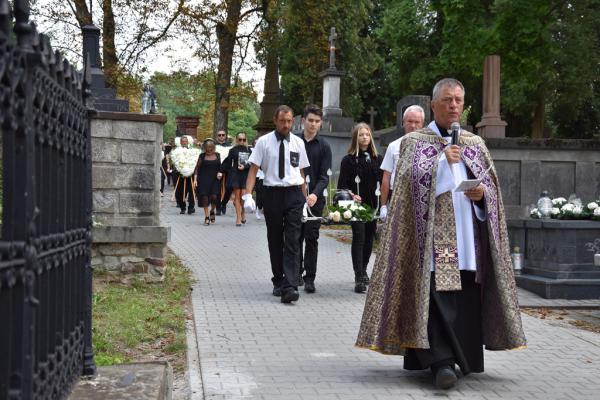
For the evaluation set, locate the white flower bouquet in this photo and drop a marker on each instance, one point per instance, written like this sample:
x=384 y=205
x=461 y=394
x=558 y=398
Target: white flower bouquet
x=351 y=213
x=593 y=208
x=559 y=202
x=571 y=209
x=535 y=213
x=184 y=160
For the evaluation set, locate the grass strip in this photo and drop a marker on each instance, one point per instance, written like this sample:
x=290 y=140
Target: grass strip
x=141 y=321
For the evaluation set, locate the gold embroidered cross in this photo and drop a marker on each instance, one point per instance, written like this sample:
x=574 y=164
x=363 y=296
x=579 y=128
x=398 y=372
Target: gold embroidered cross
x=446 y=255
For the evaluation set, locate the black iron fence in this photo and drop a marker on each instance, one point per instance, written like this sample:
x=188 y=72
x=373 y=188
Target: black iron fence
x=45 y=269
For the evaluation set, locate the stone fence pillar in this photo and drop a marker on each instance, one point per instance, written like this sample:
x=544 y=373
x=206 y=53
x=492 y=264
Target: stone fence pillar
x=126 y=157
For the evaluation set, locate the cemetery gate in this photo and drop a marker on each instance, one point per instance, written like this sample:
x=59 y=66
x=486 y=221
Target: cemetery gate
x=45 y=242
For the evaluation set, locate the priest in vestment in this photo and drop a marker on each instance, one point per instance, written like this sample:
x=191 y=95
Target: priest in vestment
x=442 y=286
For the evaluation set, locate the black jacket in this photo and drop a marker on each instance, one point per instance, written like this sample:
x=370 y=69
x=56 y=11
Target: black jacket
x=319 y=157
x=367 y=169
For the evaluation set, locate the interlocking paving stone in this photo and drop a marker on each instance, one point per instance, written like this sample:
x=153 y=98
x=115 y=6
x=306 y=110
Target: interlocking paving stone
x=253 y=347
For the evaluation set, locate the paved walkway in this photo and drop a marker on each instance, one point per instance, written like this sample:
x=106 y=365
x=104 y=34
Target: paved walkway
x=253 y=347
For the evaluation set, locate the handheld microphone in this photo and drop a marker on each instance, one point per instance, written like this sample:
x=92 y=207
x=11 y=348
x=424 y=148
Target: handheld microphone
x=455 y=127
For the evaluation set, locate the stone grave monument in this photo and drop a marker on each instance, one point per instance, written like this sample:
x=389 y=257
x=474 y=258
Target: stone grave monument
x=336 y=128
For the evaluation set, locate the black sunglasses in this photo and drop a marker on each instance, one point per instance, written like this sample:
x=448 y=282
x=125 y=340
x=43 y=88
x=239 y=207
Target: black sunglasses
x=241 y=140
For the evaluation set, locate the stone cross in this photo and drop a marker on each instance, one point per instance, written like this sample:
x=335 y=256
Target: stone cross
x=372 y=113
x=332 y=37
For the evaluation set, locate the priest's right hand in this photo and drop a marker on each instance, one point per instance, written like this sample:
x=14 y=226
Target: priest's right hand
x=452 y=154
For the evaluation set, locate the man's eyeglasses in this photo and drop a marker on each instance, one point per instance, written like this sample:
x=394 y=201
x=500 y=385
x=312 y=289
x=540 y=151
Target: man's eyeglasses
x=220 y=134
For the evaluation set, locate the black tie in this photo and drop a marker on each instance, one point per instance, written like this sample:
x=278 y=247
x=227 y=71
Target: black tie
x=281 y=159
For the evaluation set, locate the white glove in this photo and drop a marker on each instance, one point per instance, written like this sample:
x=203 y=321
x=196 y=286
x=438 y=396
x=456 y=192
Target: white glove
x=249 y=204
x=383 y=213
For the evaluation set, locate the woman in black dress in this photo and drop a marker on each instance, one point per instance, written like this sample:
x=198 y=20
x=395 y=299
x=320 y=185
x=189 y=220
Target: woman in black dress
x=237 y=167
x=208 y=175
x=363 y=161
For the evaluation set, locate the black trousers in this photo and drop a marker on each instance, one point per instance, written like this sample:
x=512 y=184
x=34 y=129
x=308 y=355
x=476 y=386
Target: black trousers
x=283 y=217
x=363 y=234
x=453 y=329
x=184 y=193
x=309 y=235
x=258 y=188
x=162 y=180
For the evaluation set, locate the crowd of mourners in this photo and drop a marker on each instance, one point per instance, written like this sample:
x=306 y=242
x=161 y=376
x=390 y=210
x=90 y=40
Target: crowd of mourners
x=442 y=285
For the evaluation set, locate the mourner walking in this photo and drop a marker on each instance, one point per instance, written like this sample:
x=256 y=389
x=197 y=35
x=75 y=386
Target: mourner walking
x=360 y=174
x=282 y=157
x=319 y=157
x=184 y=186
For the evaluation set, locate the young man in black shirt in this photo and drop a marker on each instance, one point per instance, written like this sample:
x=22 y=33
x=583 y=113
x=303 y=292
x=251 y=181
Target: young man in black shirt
x=319 y=157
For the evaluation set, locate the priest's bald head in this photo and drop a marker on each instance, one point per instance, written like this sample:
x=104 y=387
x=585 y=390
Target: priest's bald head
x=447 y=102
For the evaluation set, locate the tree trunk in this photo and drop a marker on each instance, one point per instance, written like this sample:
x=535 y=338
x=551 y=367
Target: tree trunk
x=537 y=125
x=226 y=34
x=82 y=13
x=109 y=52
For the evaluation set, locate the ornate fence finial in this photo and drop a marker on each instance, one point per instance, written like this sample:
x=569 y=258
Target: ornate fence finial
x=5 y=17
x=22 y=27
x=48 y=54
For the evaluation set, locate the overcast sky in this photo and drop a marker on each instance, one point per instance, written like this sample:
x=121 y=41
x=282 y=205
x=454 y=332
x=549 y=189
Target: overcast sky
x=159 y=59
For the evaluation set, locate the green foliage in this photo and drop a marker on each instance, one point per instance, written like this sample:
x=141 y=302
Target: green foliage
x=130 y=319
x=183 y=94
x=304 y=50
x=540 y=42
x=550 y=56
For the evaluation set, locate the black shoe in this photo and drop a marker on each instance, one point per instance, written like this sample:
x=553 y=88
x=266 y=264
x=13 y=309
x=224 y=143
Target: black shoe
x=182 y=212
x=191 y=210
x=277 y=291
x=359 y=286
x=300 y=281
x=366 y=279
x=290 y=295
x=309 y=287
x=223 y=209
x=445 y=377
x=218 y=211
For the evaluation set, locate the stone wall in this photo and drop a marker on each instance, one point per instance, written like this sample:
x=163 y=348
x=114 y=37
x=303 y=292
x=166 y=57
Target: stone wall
x=131 y=250
x=126 y=158
x=526 y=167
x=125 y=175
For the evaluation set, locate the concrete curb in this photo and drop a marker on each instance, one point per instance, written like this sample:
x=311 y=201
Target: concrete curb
x=193 y=359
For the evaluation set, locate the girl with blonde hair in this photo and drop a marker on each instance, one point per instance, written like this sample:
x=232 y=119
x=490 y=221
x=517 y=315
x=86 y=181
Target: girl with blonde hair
x=363 y=161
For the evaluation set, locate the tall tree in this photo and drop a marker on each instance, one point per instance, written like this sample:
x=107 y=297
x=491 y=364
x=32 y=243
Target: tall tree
x=182 y=93
x=305 y=27
x=129 y=29
x=540 y=43
x=224 y=22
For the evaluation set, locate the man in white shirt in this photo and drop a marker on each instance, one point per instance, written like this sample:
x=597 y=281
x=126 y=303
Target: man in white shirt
x=282 y=157
x=412 y=119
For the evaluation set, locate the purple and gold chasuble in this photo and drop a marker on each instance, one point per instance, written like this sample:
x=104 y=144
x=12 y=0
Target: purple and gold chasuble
x=421 y=227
